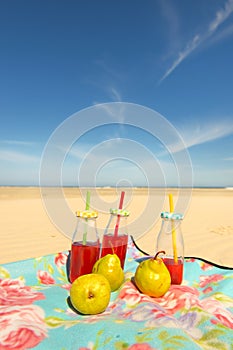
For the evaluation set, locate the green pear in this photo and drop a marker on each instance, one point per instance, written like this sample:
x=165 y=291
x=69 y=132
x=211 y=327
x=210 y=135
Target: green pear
x=110 y=267
x=152 y=277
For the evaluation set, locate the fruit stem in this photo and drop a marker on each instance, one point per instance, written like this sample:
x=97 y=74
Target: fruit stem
x=113 y=250
x=160 y=252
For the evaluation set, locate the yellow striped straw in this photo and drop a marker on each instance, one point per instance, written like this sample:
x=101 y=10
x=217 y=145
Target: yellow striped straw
x=173 y=229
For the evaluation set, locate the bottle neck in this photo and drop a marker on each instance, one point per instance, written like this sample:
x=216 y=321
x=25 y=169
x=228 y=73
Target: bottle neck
x=86 y=230
x=170 y=225
x=170 y=238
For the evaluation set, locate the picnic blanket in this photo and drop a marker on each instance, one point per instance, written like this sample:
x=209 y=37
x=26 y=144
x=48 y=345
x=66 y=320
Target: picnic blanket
x=35 y=313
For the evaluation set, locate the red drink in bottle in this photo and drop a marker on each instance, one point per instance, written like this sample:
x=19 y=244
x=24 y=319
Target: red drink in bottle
x=83 y=257
x=85 y=249
x=175 y=269
x=115 y=239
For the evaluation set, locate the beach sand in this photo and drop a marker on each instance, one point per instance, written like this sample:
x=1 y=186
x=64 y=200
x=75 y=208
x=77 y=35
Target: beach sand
x=27 y=230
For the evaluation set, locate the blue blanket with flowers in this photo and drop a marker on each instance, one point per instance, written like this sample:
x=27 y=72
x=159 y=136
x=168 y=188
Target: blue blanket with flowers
x=35 y=313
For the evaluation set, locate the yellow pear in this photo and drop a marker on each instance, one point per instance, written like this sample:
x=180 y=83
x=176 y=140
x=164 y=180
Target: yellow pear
x=90 y=294
x=152 y=277
x=110 y=267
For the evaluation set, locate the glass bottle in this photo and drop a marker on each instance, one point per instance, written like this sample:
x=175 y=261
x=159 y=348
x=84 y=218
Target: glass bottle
x=170 y=240
x=115 y=239
x=85 y=249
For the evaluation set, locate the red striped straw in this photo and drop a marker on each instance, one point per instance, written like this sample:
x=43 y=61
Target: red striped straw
x=118 y=216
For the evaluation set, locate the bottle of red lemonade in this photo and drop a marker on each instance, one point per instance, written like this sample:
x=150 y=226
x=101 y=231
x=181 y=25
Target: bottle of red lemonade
x=115 y=238
x=85 y=249
x=170 y=239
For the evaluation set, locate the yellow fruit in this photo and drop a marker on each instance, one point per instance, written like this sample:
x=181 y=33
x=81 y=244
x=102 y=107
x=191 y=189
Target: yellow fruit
x=90 y=294
x=152 y=277
x=110 y=267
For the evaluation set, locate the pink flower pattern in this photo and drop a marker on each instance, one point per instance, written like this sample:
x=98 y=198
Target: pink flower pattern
x=206 y=280
x=141 y=346
x=60 y=259
x=22 y=324
x=216 y=309
x=22 y=327
x=131 y=295
x=45 y=278
x=66 y=286
x=14 y=292
x=178 y=297
x=207 y=290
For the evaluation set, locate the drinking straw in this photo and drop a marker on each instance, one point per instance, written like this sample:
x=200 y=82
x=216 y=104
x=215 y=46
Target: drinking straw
x=88 y=197
x=118 y=216
x=173 y=230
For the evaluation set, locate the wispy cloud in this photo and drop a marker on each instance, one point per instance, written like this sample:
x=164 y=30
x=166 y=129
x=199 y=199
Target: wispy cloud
x=221 y=35
x=115 y=94
x=17 y=151
x=201 y=134
x=17 y=143
x=182 y=55
x=200 y=38
x=18 y=157
x=191 y=134
x=77 y=151
x=221 y=16
x=112 y=93
x=115 y=114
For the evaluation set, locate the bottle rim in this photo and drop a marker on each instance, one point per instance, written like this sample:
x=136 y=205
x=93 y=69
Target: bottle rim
x=121 y=212
x=172 y=216
x=87 y=214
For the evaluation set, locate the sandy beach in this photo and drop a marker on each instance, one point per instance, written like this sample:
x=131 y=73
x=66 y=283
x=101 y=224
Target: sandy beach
x=27 y=229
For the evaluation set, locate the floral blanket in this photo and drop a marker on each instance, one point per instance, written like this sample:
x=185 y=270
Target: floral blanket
x=35 y=313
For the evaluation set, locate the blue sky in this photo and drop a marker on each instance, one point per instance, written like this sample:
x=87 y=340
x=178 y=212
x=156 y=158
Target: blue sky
x=60 y=57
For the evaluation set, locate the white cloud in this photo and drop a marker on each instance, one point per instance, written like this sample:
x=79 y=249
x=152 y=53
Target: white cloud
x=16 y=151
x=196 y=135
x=17 y=143
x=198 y=39
x=116 y=115
x=77 y=151
x=17 y=157
x=221 y=16
x=115 y=94
x=182 y=55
